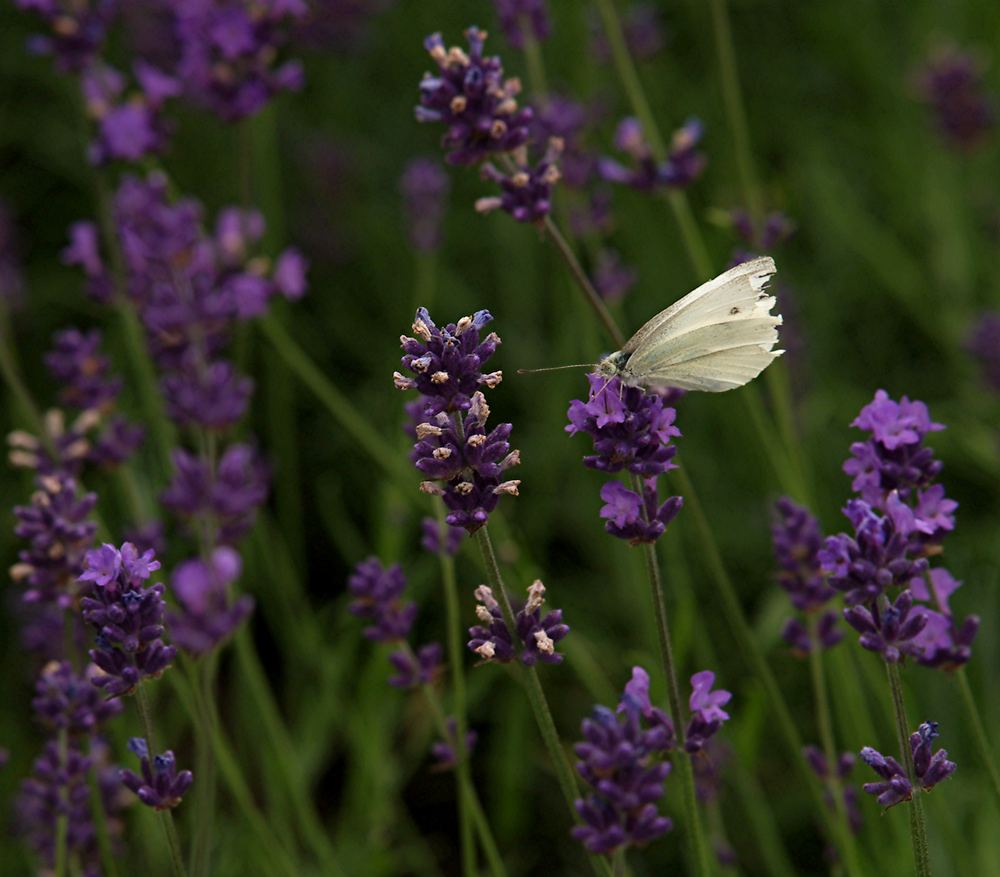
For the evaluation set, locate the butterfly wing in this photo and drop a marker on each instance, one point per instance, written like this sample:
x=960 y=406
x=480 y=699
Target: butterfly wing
x=718 y=337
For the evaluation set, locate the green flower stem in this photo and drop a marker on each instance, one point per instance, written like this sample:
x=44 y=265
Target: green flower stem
x=695 y=835
x=821 y=701
x=12 y=377
x=535 y=692
x=918 y=827
x=206 y=721
x=618 y=863
x=983 y=746
x=592 y=296
x=166 y=816
x=334 y=401
x=456 y=654
x=533 y=60
x=748 y=647
x=97 y=812
x=202 y=679
x=62 y=820
x=161 y=429
x=277 y=734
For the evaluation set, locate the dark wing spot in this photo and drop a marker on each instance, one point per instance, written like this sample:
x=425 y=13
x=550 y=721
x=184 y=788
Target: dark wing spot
x=734 y=311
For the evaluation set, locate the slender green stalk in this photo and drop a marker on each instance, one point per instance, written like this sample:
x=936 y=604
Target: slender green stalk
x=281 y=741
x=618 y=863
x=533 y=58
x=918 y=828
x=166 y=816
x=455 y=655
x=12 y=377
x=202 y=679
x=334 y=401
x=978 y=730
x=62 y=820
x=97 y=812
x=535 y=692
x=698 y=851
x=824 y=723
x=580 y=276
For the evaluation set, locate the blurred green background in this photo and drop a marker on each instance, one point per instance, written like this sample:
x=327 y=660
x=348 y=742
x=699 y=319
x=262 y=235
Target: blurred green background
x=894 y=257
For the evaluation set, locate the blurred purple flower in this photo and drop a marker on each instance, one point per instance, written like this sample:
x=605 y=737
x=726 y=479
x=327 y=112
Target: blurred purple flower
x=443 y=751
x=621 y=763
x=77 y=363
x=637 y=519
x=682 y=166
x=984 y=344
x=77 y=29
x=229 y=50
x=160 y=786
x=207 y=616
x=377 y=596
x=951 y=83
x=526 y=190
x=493 y=640
x=424 y=186
x=440 y=538
x=471 y=98
x=612 y=277
x=642 y=29
x=817 y=760
x=563 y=118
x=65 y=700
x=707 y=714
x=521 y=18
x=944 y=642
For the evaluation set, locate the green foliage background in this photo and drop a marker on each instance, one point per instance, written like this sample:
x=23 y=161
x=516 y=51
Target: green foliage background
x=895 y=255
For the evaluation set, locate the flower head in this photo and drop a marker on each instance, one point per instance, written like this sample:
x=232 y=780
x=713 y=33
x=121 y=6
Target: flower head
x=470 y=97
x=76 y=29
x=637 y=519
x=682 y=166
x=493 y=640
x=377 y=596
x=929 y=768
x=888 y=628
x=523 y=18
x=951 y=83
x=161 y=786
x=526 y=190
x=707 y=714
x=64 y=699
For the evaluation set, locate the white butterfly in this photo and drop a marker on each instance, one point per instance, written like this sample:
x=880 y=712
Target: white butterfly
x=718 y=337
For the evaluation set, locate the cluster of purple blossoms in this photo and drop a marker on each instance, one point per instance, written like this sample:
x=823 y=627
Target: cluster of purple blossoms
x=707 y=713
x=797 y=541
x=682 y=166
x=951 y=83
x=67 y=701
x=523 y=19
x=899 y=523
x=471 y=98
x=229 y=51
x=526 y=191
x=929 y=768
x=59 y=532
x=612 y=277
x=160 y=786
x=129 y=125
x=493 y=640
x=438 y=538
x=443 y=751
x=632 y=431
x=775 y=230
x=207 y=615
x=128 y=618
x=77 y=29
x=622 y=761
x=817 y=760
x=568 y=120
x=377 y=597
x=984 y=344
x=642 y=29
x=464 y=463
x=424 y=186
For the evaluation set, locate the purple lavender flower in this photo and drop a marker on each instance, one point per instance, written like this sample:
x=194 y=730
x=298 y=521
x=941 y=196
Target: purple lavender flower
x=944 y=642
x=888 y=628
x=415 y=668
x=877 y=557
x=929 y=769
x=470 y=97
x=707 y=714
x=566 y=119
x=128 y=617
x=160 y=786
x=443 y=751
x=521 y=18
x=229 y=50
x=984 y=344
x=66 y=700
x=377 y=593
x=440 y=538
x=612 y=277
x=951 y=83
x=447 y=361
x=621 y=761
x=797 y=542
x=207 y=615
x=229 y=496
x=493 y=640
x=59 y=533
x=817 y=760
x=682 y=166
x=129 y=127
x=77 y=30
x=526 y=190
x=62 y=451
x=424 y=186
x=634 y=518
x=777 y=229
x=77 y=363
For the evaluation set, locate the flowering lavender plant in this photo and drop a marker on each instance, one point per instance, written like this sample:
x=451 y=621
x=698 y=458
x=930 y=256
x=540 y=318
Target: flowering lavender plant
x=493 y=640
x=929 y=768
x=160 y=785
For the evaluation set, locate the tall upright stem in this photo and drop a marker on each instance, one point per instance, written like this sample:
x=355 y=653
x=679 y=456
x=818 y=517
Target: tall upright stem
x=918 y=827
x=978 y=731
x=698 y=851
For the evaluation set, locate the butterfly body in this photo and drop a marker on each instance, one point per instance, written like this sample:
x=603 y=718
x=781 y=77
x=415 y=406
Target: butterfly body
x=716 y=338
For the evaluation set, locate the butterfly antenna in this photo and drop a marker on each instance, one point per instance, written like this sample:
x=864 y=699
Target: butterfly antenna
x=553 y=368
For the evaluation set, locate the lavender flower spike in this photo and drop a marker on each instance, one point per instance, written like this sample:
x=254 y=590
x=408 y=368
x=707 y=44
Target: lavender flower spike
x=493 y=640
x=707 y=714
x=161 y=786
x=928 y=768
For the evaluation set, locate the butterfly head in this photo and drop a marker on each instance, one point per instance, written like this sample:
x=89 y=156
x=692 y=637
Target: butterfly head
x=613 y=365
